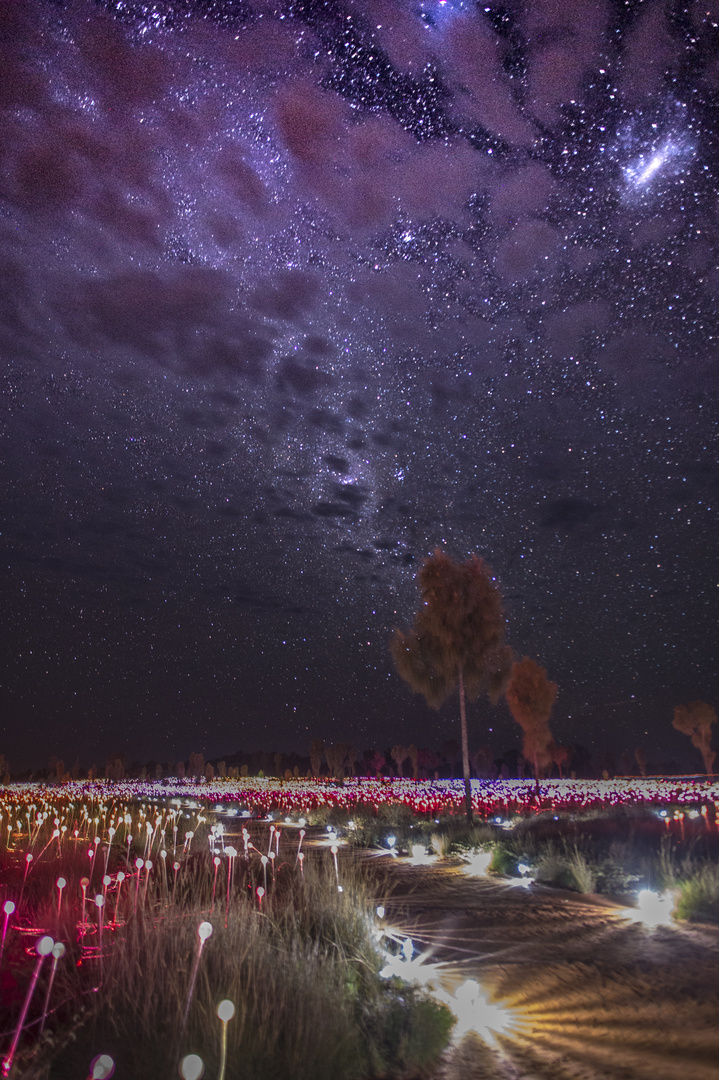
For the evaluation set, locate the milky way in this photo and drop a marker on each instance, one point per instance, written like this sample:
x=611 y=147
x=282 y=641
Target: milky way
x=293 y=294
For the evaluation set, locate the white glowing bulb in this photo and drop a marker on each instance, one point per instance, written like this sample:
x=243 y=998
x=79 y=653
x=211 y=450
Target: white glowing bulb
x=226 y=1010
x=204 y=931
x=44 y=946
x=102 y=1067
x=58 y=950
x=191 y=1067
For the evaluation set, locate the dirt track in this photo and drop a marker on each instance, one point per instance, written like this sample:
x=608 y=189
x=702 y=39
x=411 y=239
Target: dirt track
x=590 y=995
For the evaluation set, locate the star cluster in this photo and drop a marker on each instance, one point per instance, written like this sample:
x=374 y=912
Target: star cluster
x=293 y=293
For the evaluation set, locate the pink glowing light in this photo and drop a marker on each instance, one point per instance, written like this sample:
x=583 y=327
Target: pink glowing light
x=43 y=948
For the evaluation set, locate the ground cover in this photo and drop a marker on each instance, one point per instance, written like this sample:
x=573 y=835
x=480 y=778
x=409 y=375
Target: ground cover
x=320 y=901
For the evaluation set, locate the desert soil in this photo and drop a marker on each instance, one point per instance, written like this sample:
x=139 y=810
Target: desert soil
x=588 y=994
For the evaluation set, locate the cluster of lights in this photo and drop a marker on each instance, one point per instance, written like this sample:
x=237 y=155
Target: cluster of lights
x=470 y=1004
x=260 y=797
x=55 y=828
x=101 y=818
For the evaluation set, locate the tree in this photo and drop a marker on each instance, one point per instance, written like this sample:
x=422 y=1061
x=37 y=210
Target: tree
x=398 y=753
x=456 y=640
x=451 y=752
x=115 y=765
x=317 y=747
x=196 y=766
x=483 y=762
x=428 y=760
x=530 y=696
x=337 y=755
x=375 y=761
x=560 y=756
x=696 y=720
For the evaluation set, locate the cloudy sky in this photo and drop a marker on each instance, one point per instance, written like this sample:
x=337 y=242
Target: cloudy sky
x=292 y=294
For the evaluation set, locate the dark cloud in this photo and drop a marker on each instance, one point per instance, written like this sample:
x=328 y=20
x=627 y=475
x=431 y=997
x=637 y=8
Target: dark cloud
x=299 y=379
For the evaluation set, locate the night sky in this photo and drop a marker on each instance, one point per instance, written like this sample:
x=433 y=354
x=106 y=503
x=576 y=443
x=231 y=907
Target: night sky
x=292 y=294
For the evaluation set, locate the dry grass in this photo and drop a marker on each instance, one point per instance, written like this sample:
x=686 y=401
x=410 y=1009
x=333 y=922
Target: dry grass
x=302 y=969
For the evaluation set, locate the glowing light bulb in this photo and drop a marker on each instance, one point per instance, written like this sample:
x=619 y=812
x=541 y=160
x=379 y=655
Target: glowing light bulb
x=102 y=1067
x=191 y=1067
x=44 y=945
x=226 y=1010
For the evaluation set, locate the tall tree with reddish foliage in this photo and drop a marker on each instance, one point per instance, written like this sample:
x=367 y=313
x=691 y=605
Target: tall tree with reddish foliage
x=530 y=696
x=696 y=720
x=456 y=640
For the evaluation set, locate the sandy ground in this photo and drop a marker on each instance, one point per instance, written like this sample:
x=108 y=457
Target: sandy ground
x=585 y=993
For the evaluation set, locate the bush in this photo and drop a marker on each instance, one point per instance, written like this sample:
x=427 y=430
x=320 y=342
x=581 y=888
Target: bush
x=552 y=868
x=504 y=861
x=582 y=873
x=699 y=896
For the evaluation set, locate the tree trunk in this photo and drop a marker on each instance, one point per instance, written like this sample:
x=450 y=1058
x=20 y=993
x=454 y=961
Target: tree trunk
x=465 y=750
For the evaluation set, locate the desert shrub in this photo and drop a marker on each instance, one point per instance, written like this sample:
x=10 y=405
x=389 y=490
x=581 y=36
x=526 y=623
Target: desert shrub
x=441 y=844
x=471 y=839
x=395 y=815
x=364 y=832
x=457 y=838
x=698 y=899
x=583 y=873
x=504 y=860
x=613 y=877
x=552 y=868
x=407 y=1029
x=322 y=815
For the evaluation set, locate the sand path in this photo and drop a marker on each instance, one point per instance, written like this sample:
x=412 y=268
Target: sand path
x=587 y=994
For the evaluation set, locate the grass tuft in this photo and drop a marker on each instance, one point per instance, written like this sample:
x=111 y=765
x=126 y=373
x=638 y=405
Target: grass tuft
x=698 y=899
